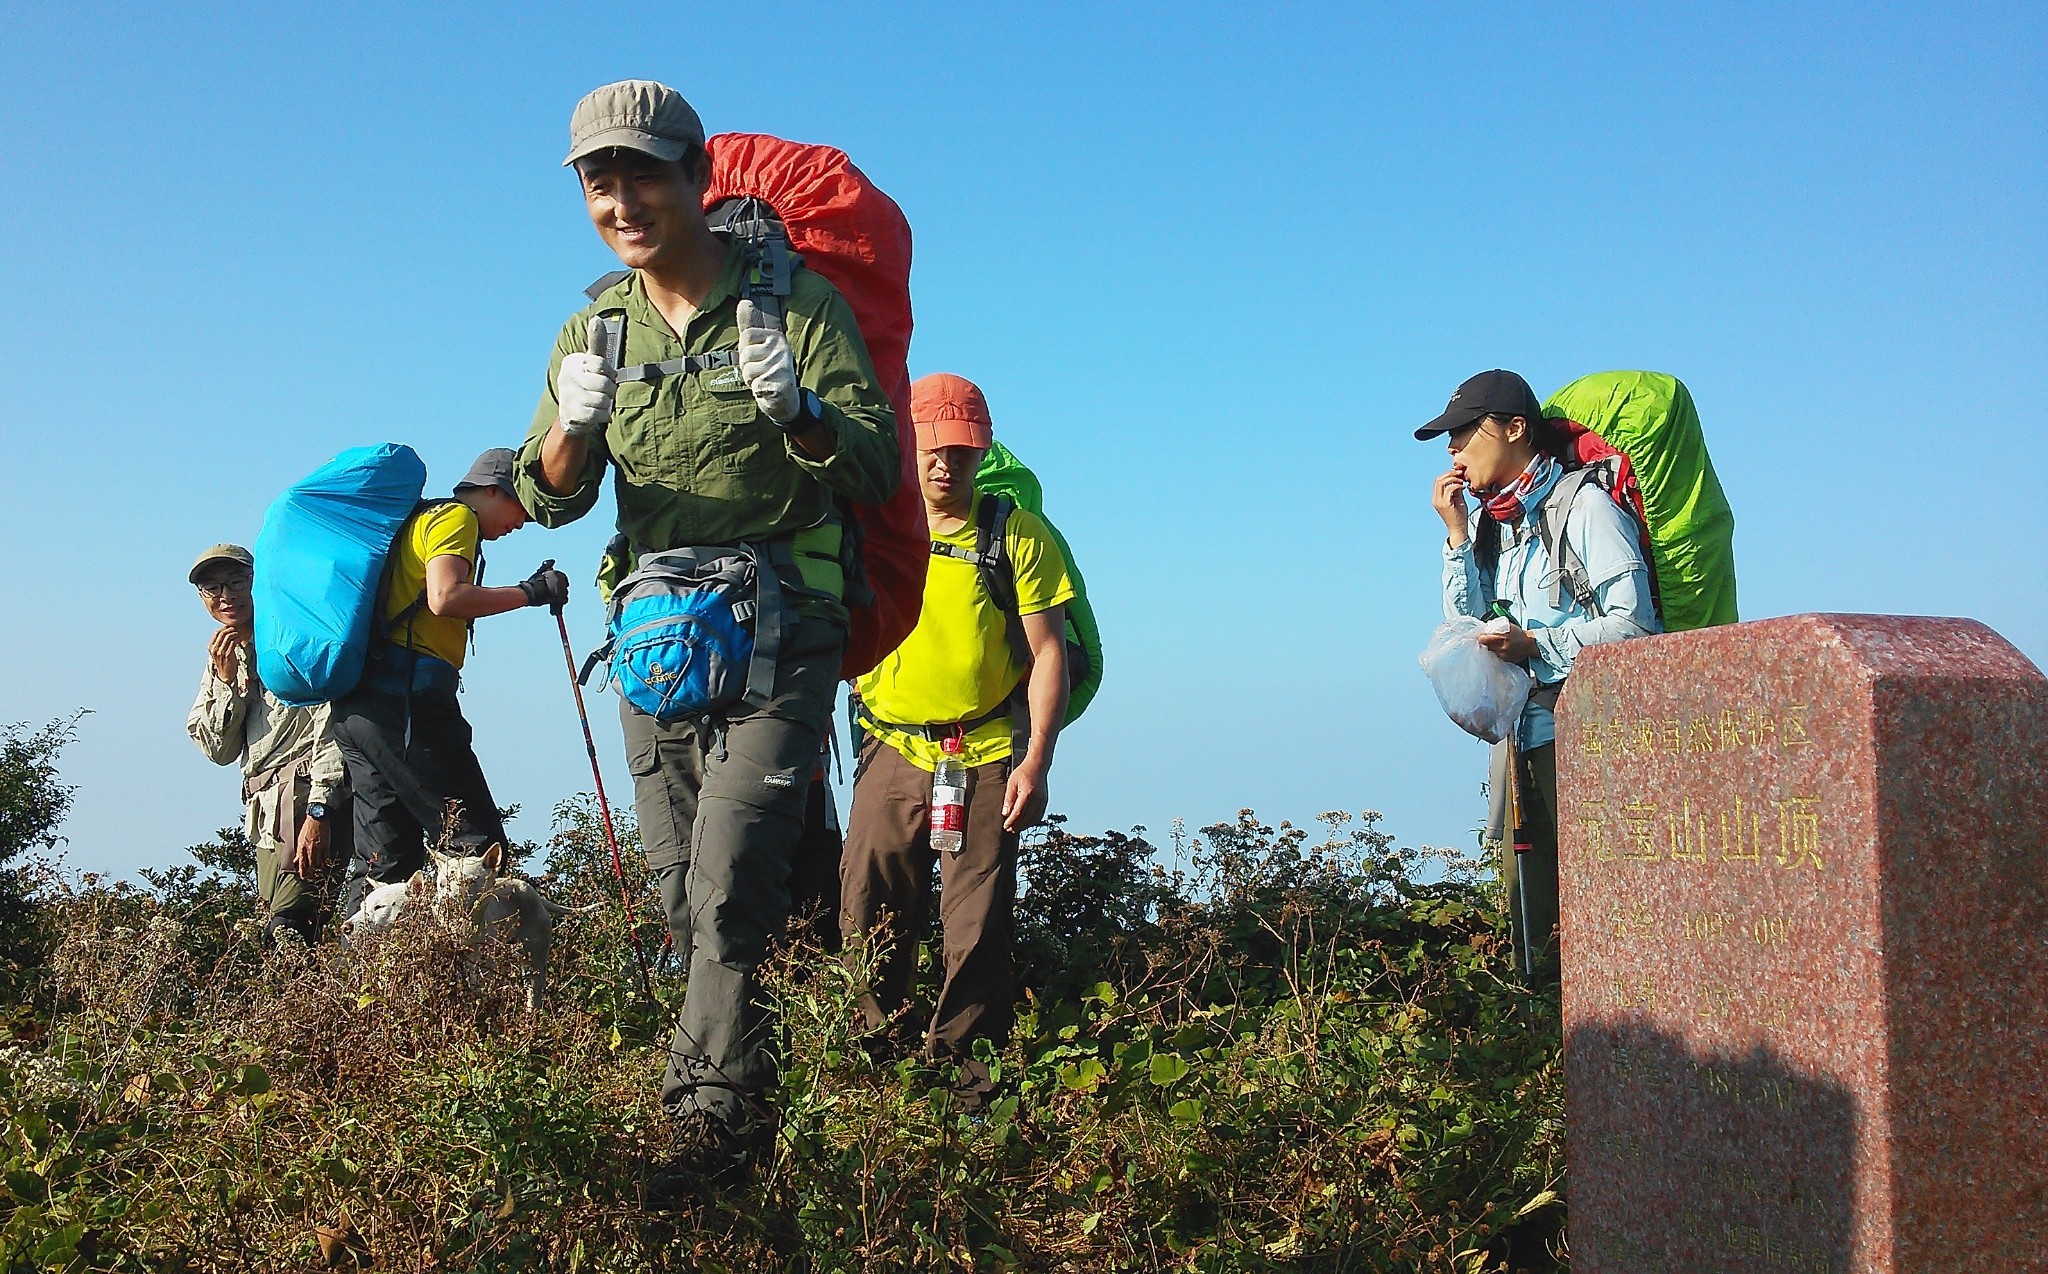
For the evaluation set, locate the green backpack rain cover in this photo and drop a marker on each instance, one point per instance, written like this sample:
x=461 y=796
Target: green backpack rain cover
x=1649 y=417
x=1001 y=473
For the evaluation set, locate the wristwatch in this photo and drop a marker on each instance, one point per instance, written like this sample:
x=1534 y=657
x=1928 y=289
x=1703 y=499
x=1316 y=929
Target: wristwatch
x=809 y=411
x=317 y=811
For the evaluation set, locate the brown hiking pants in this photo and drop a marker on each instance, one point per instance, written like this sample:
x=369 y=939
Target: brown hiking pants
x=885 y=880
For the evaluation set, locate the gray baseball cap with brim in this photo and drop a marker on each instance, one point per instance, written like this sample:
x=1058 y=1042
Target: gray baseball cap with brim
x=493 y=469
x=222 y=555
x=636 y=115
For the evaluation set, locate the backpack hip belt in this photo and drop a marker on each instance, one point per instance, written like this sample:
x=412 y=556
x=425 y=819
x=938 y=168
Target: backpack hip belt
x=932 y=732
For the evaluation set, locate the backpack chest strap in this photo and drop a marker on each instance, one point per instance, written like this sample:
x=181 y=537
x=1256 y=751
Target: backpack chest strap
x=614 y=323
x=684 y=366
x=942 y=549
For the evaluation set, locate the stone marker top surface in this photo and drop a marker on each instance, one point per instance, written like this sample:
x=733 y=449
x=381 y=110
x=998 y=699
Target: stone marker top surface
x=1882 y=646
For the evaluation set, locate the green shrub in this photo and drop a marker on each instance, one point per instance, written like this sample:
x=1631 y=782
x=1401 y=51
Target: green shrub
x=32 y=805
x=1274 y=1055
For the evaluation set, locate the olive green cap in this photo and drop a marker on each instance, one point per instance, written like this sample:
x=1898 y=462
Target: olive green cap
x=234 y=554
x=637 y=115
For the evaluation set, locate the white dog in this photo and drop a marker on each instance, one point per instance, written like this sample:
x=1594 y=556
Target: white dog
x=470 y=897
x=382 y=906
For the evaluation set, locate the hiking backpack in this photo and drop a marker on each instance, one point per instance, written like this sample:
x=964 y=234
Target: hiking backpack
x=1637 y=436
x=792 y=203
x=320 y=560
x=1005 y=485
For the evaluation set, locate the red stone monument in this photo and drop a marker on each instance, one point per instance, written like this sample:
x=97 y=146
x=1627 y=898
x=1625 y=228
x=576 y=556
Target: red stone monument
x=1804 y=872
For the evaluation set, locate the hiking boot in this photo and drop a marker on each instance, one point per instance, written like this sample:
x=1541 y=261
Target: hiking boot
x=706 y=1155
x=969 y=1088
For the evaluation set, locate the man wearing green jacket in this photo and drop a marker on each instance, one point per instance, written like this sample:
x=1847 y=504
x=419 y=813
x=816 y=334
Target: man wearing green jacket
x=723 y=426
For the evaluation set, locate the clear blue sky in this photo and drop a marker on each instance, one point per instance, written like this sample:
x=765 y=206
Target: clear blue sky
x=1211 y=265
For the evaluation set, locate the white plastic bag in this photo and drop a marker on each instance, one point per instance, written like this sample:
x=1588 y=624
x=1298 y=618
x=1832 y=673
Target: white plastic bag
x=1482 y=692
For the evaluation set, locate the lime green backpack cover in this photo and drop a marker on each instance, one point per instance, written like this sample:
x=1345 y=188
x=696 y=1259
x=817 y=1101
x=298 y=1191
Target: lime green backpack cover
x=1001 y=473
x=1650 y=418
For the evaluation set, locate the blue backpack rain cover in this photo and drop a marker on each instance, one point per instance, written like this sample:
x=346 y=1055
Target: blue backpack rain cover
x=319 y=561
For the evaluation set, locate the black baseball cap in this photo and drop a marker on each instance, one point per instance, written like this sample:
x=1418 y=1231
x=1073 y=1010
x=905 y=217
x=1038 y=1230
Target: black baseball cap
x=1494 y=393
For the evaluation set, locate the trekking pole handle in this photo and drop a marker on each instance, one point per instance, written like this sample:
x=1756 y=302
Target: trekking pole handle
x=555 y=607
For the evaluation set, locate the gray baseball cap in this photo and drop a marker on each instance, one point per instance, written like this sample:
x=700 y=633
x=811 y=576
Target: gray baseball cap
x=637 y=115
x=493 y=469
x=232 y=554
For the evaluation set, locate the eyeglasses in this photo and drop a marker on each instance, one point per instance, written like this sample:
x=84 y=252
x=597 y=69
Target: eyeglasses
x=221 y=588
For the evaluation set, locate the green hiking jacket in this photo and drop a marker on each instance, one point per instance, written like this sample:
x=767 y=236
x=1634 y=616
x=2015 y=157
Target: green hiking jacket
x=696 y=462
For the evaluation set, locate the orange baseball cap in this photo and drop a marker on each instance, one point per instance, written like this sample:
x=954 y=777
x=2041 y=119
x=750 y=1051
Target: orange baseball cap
x=949 y=411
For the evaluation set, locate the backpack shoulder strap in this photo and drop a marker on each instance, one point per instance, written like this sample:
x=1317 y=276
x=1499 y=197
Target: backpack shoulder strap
x=404 y=618
x=992 y=550
x=770 y=263
x=1567 y=569
x=998 y=572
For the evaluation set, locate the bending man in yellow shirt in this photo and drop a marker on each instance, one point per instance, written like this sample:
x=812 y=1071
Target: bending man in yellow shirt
x=401 y=730
x=992 y=677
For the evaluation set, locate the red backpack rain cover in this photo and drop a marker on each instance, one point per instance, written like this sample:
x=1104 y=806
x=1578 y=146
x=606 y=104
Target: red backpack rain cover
x=856 y=238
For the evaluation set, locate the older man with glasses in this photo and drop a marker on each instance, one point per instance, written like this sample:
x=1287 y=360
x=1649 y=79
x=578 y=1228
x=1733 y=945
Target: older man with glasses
x=294 y=783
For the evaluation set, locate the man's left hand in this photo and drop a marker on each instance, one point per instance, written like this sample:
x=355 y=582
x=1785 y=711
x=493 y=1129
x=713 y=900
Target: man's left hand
x=1024 y=798
x=312 y=848
x=1513 y=646
x=765 y=360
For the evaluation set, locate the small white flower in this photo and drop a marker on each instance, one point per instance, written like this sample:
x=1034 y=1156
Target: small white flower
x=40 y=1077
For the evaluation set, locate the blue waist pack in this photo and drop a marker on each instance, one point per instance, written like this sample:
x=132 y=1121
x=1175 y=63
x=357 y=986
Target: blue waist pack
x=694 y=630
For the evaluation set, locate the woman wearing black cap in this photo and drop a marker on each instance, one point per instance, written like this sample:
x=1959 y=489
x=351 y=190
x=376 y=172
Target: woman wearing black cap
x=1506 y=453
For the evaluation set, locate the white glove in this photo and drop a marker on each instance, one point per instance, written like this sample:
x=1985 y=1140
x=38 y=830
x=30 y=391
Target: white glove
x=584 y=385
x=767 y=364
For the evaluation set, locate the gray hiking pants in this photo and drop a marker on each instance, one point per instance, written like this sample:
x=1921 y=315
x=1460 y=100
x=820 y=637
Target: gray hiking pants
x=721 y=809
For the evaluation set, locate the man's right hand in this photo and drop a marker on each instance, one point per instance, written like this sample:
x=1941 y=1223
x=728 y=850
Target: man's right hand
x=225 y=653
x=584 y=386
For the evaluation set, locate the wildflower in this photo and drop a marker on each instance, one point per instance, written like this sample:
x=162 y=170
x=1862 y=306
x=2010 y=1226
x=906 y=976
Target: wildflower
x=40 y=1077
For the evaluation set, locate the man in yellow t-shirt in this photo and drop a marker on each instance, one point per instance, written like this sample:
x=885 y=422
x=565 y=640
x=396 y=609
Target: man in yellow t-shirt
x=401 y=731
x=965 y=673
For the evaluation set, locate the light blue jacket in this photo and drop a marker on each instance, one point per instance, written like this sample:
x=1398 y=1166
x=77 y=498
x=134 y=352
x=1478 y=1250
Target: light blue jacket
x=1605 y=539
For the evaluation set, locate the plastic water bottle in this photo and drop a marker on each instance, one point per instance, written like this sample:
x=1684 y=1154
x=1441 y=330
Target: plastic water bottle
x=949 y=799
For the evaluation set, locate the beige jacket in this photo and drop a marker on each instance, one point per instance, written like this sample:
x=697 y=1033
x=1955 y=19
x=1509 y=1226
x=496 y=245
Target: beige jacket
x=288 y=755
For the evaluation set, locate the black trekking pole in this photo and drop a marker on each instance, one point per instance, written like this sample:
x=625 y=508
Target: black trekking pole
x=604 y=806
